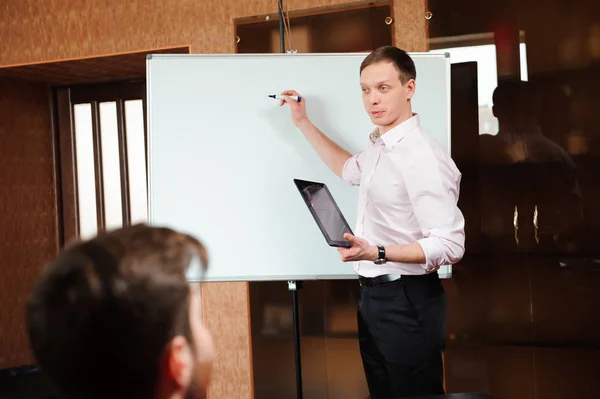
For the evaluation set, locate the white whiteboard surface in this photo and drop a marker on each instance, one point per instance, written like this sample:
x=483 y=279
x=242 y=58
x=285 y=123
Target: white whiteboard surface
x=222 y=156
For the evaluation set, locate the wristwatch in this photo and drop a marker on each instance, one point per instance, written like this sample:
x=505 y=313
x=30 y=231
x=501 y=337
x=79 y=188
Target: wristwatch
x=381 y=256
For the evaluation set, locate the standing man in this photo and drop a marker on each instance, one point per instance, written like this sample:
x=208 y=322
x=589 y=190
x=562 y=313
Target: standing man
x=408 y=225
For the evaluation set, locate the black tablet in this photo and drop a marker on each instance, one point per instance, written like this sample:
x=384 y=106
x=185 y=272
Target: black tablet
x=325 y=211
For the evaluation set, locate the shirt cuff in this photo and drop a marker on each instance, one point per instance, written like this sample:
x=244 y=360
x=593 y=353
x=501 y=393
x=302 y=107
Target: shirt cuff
x=432 y=254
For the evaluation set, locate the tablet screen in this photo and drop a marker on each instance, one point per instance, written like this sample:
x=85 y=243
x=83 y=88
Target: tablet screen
x=325 y=211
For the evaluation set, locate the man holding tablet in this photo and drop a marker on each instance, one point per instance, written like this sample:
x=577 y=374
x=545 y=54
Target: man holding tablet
x=408 y=225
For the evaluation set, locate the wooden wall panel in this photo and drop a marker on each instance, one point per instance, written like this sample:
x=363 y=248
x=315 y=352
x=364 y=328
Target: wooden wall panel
x=225 y=307
x=33 y=31
x=410 y=25
x=28 y=219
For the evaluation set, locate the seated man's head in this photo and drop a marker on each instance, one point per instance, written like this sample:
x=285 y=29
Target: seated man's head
x=114 y=317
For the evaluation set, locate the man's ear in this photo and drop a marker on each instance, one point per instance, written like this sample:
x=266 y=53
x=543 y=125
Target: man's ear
x=411 y=86
x=179 y=362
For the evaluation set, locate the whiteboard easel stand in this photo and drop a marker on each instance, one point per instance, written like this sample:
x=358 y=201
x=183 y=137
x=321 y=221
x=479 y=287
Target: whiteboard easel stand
x=293 y=285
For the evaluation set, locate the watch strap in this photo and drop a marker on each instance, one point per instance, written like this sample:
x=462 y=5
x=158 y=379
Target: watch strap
x=381 y=252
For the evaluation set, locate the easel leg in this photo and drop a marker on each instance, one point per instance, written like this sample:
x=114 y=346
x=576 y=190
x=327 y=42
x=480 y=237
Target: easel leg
x=294 y=287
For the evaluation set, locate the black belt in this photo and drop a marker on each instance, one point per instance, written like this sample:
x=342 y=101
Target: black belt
x=371 y=281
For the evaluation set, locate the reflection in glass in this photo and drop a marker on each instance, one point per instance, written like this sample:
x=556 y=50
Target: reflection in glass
x=469 y=48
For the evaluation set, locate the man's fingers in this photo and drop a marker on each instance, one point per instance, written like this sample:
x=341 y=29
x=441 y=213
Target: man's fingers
x=349 y=237
x=290 y=93
x=344 y=254
x=287 y=99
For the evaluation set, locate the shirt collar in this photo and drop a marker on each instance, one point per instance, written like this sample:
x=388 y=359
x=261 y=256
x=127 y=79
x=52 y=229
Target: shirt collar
x=397 y=133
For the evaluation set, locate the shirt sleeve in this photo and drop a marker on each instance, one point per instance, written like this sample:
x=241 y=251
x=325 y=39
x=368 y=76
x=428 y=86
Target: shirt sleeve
x=352 y=170
x=433 y=189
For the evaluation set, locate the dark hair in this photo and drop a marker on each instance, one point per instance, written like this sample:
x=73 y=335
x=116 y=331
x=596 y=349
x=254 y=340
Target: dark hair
x=401 y=60
x=103 y=311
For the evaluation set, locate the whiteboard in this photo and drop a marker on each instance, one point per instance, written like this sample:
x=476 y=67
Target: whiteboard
x=222 y=155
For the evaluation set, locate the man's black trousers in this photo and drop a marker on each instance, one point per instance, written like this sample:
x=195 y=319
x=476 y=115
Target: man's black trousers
x=402 y=334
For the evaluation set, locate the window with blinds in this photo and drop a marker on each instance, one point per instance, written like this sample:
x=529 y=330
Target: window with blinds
x=102 y=157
